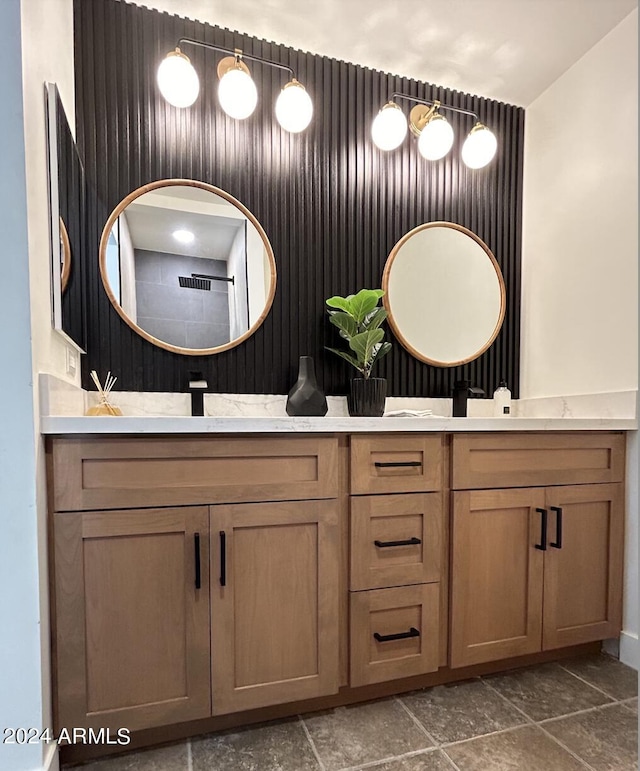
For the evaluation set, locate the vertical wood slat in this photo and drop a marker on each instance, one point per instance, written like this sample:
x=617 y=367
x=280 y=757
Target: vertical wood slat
x=331 y=203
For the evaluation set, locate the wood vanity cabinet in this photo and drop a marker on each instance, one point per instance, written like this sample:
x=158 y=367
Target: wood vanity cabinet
x=168 y=614
x=535 y=568
x=198 y=578
x=396 y=556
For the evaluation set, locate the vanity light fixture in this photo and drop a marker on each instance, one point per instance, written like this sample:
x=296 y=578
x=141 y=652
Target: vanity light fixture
x=434 y=132
x=179 y=84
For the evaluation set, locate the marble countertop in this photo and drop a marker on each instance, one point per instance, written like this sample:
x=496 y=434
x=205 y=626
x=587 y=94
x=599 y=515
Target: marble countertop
x=271 y=425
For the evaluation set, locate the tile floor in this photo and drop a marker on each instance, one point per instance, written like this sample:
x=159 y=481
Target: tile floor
x=580 y=714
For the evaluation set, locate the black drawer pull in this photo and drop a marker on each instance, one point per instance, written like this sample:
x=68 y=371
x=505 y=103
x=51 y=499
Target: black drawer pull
x=196 y=545
x=223 y=558
x=409 y=542
x=398 y=464
x=543 y=530
x=413 y=632
x=557 y=544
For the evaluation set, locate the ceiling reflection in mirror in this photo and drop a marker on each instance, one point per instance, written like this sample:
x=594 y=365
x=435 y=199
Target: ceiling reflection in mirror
x=445 y=294
x=187 y=266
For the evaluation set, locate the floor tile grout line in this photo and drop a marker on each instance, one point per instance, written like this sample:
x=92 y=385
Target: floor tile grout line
x=627 y=704
x=560 y=743
x=579 y=712
x=544 y=731
x=391 y=758
x=509 y=702
x=314 y=749
x=418 y=723
x=189 y=756
x=509 y=730
x=586 y=682
x=450 y=760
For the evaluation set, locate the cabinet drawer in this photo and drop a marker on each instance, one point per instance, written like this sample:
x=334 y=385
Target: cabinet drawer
x=400 y=463
x=394 y=633
x=527 y=460
x=395 y=540
x=107 y=473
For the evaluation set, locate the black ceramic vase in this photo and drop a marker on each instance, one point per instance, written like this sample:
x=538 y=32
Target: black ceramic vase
x=367 y=397
x=305 y=398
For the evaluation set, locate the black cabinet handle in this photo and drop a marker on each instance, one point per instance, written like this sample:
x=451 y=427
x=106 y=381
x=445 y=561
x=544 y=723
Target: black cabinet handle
x=413 y=632
x=223 y=558
x=543 y=530
x=397 y=464
x=557 y=544
x=409 y=542
x=196 y=545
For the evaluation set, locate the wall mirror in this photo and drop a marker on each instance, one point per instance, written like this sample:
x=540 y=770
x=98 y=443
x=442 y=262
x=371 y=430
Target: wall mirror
x=67 y=200
x=444 y=293
x=187 y=266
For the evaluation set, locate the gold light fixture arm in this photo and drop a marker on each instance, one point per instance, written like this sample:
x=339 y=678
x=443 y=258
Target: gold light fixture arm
x=231 y=63
x=420 y=115
x=235 y=58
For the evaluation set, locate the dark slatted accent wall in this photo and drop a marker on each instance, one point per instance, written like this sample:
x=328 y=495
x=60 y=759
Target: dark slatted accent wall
x=332 y=204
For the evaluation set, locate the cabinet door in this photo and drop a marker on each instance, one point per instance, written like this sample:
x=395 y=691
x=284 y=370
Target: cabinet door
x=496 y=575
x=131 y=639
x=583 y=564
x=274 y=603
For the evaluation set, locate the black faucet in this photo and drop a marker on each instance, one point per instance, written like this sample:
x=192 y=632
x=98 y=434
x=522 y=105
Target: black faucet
x=462 y=389
x=197 y=387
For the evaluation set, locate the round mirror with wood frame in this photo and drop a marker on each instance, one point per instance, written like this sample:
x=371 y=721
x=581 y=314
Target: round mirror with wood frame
x=187 y=266
x=444 y=293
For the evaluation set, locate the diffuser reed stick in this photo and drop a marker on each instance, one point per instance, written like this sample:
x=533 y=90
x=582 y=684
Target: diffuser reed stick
x=104 y=407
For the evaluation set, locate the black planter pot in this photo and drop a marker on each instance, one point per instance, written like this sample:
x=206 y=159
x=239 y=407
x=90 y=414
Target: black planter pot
x=305 y=398
x=367 y=397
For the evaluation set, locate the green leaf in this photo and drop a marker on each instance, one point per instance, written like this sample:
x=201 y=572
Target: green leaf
x=363 y=345
x=364 y=302
x=342 y=303
x=375 y=318
x=381 y=350
x=347 y=357
x=345 y=323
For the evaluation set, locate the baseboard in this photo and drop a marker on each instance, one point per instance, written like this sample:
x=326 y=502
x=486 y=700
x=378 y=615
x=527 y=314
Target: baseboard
x=51 y=759
x=630 y=649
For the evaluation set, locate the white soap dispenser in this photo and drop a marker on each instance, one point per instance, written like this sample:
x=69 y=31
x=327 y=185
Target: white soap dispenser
x=502 y=401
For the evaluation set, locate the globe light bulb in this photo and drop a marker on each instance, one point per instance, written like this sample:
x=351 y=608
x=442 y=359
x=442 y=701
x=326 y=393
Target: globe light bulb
x=294 y=108
x=389 y=127
x=479 y=147
x=436 y=138
x=177 y=80
x=237 y=93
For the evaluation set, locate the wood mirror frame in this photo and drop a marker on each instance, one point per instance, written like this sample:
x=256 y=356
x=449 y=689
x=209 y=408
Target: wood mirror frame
x=387 y=302
x=162 y=183
x=65 y=246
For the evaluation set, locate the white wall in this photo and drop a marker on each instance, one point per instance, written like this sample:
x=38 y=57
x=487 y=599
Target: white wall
x=36 y=45
x=580 y=249
x=580 y=233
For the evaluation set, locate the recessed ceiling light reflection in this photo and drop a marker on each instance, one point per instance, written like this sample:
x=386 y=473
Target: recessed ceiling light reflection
x=183 y=236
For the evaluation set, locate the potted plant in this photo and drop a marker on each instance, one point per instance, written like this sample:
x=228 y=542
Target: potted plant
x=358 y=319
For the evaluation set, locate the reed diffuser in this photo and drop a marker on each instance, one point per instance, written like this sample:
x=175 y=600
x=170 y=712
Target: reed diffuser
x=104 y=406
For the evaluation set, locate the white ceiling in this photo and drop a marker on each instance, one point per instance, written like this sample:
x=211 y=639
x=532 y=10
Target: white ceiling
x=152 y=228
x=510 y=50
